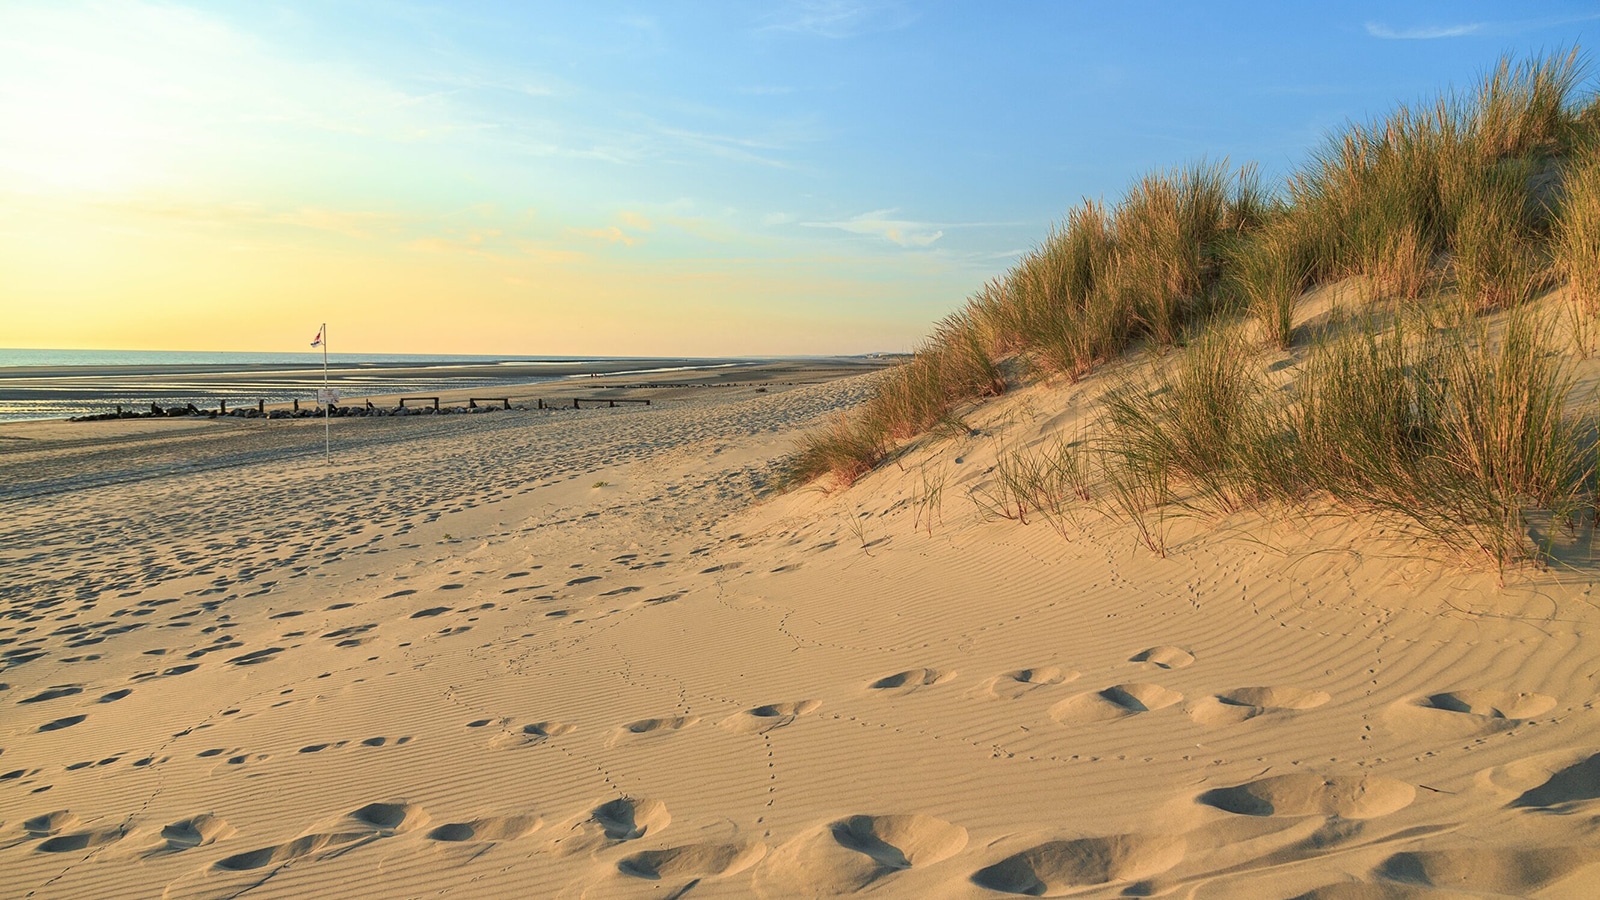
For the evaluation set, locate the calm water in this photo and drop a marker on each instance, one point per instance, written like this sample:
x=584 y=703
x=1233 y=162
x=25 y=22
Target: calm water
x=46 y=384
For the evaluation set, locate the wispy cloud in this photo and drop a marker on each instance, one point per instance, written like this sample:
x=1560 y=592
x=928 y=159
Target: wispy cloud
x=904 y=232
x=610 y=233
x=545 y=252
x=636 y=221
x=731 y=147
x=838 y=19
x=764 y=90
x=1505 y=28
x=477 y=241
x=1423 y=33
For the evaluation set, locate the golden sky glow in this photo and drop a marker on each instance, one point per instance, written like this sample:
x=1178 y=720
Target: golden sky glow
x=787 y=176
x=172 y=180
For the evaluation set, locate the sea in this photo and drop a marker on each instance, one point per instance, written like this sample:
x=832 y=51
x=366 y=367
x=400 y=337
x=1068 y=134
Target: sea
x=54 y=384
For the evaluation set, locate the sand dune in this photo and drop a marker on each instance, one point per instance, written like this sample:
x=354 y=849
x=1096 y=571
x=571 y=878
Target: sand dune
x=597 y=656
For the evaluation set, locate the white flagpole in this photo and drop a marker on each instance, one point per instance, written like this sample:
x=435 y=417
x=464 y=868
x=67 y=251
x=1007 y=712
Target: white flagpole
x=327 y=441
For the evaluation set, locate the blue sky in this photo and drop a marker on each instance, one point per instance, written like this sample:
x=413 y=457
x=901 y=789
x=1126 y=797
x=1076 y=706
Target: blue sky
x=715 y=178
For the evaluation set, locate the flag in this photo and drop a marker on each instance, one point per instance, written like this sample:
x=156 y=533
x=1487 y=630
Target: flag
x=317 y=341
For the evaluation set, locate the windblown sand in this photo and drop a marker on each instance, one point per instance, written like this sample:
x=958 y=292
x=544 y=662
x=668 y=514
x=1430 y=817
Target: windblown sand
x=595 y=655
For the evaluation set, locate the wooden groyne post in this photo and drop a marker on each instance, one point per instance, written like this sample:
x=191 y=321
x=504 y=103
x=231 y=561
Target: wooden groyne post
x=611 y=403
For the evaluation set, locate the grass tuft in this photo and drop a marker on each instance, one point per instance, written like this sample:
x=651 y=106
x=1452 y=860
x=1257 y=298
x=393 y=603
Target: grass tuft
x=1576 y=247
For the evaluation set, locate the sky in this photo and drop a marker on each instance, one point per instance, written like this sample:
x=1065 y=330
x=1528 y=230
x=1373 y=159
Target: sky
x=683 y=179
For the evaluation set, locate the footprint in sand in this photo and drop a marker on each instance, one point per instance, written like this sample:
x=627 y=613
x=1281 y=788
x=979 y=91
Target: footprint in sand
x=255 y=657
x=900 y=842
x=530 y=735
x=54 y=693
x=1247 y=703
x=850 y=854
x=910 y=680
x=1491 y=704
x=1455 y=714
x=1057 y=868
x=487 y=829
x=1115 y=702
x=652 y=727
x=50 y=824
x=1571 y=784
x=372 y=820
x=278 y=854
x=1365 y=890
x=1308 y=794
x=196 y=831
x=81 y=840
x=694 y=861
x=1018 y=682
x=391 y=818
x=1164 y=656
x=1505 y=872
x=630 y=818
x=538 y=732
x=762 y=719
x=65 y=722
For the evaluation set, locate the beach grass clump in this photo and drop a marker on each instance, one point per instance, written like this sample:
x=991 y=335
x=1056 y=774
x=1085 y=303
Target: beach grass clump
x=1186 y=424
x=1369 y=204
x=1494 y=244
x=1362 y=417
x=1385 y=199
x=846 y=449
x=1576 y=244
x=1058 y=309
x=961 y=353
x=1048 y=483
x=1267 y=276
x=955 y=365
x=1453 y=432
x=1166 y=247
x=1503 y=416
x=1525 y=107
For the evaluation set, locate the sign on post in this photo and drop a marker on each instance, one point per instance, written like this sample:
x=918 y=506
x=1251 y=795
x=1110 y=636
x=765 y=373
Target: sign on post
x=328 y=395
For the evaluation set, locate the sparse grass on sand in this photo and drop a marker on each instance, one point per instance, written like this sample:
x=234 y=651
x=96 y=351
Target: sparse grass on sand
x=1444 y=406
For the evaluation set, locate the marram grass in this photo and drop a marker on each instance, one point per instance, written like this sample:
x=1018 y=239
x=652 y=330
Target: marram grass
x=1485 y=198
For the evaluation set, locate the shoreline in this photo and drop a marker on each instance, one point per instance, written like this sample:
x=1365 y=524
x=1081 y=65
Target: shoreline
x=610 y=375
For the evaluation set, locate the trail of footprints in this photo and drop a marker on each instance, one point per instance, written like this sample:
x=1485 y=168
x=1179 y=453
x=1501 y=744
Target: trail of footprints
x=344 y=636
x=852 y=853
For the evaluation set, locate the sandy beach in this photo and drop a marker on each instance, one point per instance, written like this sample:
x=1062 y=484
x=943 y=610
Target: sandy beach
x=597 y=654
x=804 y=449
